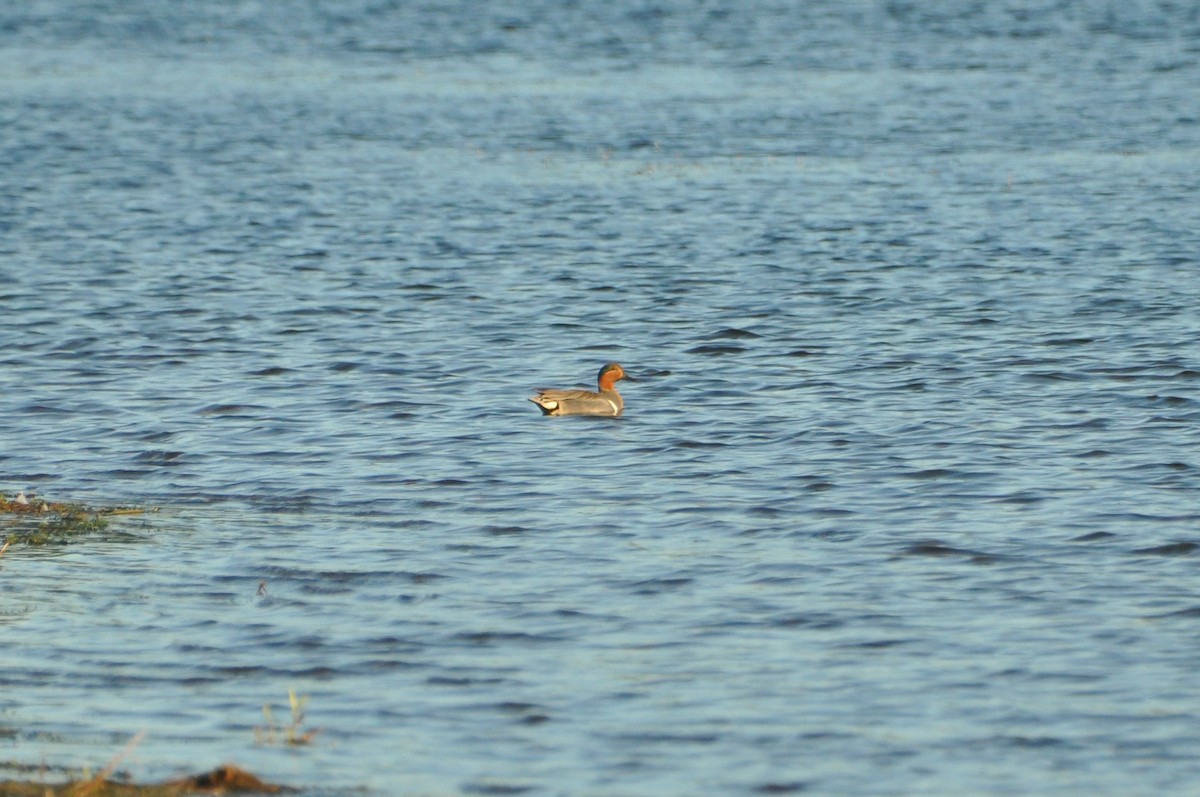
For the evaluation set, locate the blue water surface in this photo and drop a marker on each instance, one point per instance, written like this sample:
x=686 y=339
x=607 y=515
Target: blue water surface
x=905 y=498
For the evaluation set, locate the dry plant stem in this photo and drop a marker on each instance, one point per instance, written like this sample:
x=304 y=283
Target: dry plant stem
x=84 y=789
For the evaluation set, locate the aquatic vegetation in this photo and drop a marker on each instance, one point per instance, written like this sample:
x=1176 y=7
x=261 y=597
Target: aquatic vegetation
x=226 y=779
x=39 y=522
x=290 y=734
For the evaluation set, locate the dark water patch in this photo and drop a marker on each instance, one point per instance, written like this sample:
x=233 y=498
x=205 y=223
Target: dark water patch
x=196 y=649
x=1021 y=498
x=491 y=638
x=44 y=409
x=1183 y=421
x=716 y=350
x=1094 y=536
x=495 y=788
x=898 y=363
x=1169 y=401
x=504 y=531
x=275 y=370
x=1032 y=742
x=833 y=512
x=128 y=473
x=817 y=622
x=732 y=333
x=398 y=404
x=1071 y=677
x=243 y=671
x=835 y=535
x=689 y=739
x=935 y=549
x=657 y=586
x=746 y=398
x=1142 y=517
x=879 y=644
x=699 y=444
x=782 y=787
x=1053 y=376
x=388 y=665
x=1066 y=342
x=939 y=550
x=522 y=713
x=929 y=473
x=311 y=254
x=392 y=644
x=766 y=511
x=159 y=457
x=321 y=588
x=1189 y=613
x=230 y=409
x=514 y=707
x=1169 y=549
x=483 y=551
x=461 y=682
x=292 y=574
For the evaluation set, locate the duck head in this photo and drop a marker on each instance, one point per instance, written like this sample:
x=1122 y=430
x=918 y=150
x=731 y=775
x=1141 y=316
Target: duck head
x=608 y=376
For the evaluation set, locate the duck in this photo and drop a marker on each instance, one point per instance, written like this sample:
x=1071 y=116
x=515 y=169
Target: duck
x=606 y=403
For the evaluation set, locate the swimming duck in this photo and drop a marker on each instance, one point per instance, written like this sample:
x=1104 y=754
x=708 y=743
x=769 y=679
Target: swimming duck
x=607 y=402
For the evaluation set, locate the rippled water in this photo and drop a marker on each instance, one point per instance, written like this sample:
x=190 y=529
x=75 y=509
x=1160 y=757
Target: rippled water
x=905 y=499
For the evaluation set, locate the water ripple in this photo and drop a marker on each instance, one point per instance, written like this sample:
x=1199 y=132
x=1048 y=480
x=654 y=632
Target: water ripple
x=907 y=476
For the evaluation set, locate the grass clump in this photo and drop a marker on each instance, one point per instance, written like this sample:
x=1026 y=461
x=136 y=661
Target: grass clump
x=225 y=779
x=25 y=521
x=290 y=734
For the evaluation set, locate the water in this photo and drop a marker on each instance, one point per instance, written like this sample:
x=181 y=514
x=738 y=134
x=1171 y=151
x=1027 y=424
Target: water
x=905 y=498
